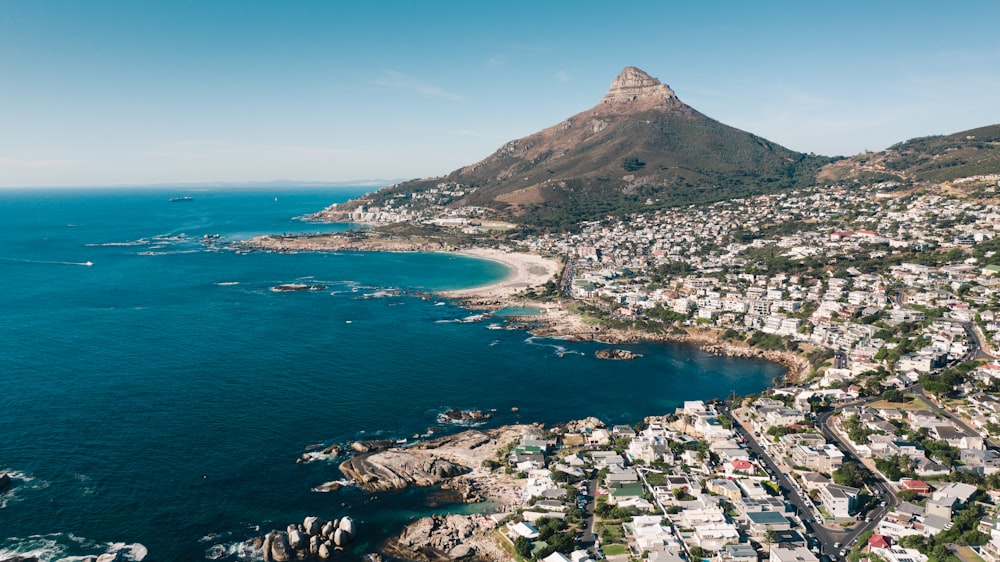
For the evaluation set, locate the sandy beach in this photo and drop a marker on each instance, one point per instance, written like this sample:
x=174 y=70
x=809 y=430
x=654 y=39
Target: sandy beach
x=527 y=271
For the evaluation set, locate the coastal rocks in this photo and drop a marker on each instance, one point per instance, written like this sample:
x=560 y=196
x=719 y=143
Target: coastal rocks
x=398 y=469
x=466 y=489
x=431 y=462
x=313 y=539
x=797 y=365
x=371 y=446
x=450 y=537
x=579 y=426
x=613 y=353
x=4 y=481
x=327 y=453
x=463 y=416
x=290 y=287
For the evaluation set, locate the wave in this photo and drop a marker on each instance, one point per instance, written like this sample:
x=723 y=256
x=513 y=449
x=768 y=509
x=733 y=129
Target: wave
x=170 y=253
x=560 y=350
x=236 y=550
x=226 y=283
x=20 y=485
x=64 y=547
x=139 y=242
x=333 y=485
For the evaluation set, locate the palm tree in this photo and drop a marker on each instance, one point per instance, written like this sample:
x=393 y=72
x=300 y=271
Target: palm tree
x=769 y=537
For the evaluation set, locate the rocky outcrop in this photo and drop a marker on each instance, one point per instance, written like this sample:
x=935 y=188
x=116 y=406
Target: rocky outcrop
x=4 y=481
x=313 y=539
x=612 y=353
x=431 y=462
x=397 y=469
x=371 y=446
x=450 y=537
x=633 y=87
x=460 y=416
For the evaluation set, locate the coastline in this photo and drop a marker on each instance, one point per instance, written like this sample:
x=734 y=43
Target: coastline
x=526 y=272
x=457 y=468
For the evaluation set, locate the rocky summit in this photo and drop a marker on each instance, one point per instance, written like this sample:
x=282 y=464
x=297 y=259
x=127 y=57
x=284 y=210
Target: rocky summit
x=639 y=148
x=634 y=89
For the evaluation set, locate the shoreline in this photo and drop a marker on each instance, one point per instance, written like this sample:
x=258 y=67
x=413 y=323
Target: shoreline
x=528 y=271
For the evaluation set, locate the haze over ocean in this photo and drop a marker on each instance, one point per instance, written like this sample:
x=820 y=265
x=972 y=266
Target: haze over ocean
x=157 y=400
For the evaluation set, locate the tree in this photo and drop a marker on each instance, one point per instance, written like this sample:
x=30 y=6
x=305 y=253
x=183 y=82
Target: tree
x=770 y=537
x=893 y=395
x=698 y=552
x=849 y=474
x=522 y=546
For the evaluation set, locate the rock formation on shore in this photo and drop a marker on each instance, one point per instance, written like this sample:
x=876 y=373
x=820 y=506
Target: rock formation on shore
x=4 y=481
x=449 y=537
x=431 y=462
x=313 y=539
x=615 y=354
x=459 y=416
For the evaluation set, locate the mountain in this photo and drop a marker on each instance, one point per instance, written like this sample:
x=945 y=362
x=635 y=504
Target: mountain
x=934 y=159
x=639 y=148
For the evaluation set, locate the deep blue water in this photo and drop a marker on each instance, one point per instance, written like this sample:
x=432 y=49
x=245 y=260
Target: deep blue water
x=161 y=396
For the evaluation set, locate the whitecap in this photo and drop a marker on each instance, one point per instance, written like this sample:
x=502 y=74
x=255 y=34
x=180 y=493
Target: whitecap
x=333 y=485
x=226 y=283
x=134 y=551
x=559 y=350
x=44 y=548
x=20 y=485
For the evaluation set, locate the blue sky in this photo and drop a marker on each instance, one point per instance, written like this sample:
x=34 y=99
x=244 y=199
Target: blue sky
x=110 y=93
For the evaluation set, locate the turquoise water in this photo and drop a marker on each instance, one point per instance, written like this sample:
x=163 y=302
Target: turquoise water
x=156 y=401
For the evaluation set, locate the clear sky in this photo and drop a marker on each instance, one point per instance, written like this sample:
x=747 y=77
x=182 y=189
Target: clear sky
x=138 y=92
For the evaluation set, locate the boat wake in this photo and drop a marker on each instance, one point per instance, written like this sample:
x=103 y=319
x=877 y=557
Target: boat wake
x=48 y=262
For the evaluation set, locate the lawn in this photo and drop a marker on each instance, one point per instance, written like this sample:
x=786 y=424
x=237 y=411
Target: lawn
x=615 y=549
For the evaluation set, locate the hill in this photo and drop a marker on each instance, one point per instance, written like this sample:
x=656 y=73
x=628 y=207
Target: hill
x=933 y=159
x=639 y=148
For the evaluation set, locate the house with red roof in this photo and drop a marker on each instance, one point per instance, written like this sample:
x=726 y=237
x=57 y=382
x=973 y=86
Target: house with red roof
x=739 y=466
x=879 y=541
x=918 y=486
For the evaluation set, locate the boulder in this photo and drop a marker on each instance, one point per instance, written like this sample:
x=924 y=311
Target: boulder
x=312 y=525
x=371 y=446
x=328 y=529
x=324 y=551
x=280 y=552
x=266 y=548
x=4 y=481
x=347 y=525
x=461 y=551
x=340 y=538
x=314 y=542
x=615 y=354
x=297 y=540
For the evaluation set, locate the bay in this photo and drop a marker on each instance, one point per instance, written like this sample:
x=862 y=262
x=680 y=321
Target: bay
x=156 y=400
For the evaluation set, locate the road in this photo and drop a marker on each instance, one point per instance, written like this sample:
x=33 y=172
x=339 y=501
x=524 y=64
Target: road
x=804 y=507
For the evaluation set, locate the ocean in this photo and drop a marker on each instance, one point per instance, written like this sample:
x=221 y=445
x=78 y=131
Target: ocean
x=155 y=393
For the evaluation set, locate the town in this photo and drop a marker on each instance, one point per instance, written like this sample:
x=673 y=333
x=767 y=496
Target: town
x=885 y=449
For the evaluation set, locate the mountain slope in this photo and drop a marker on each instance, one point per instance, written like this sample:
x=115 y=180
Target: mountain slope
x=639 y=148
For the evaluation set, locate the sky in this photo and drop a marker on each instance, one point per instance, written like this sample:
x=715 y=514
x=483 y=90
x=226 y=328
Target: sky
x=183 y=91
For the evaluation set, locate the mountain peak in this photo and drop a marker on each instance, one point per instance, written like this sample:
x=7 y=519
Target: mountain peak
x=635 y=87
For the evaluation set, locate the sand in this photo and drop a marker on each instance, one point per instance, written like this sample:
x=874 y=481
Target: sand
x=527 y=271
